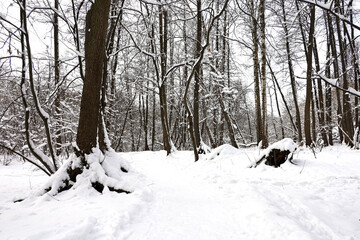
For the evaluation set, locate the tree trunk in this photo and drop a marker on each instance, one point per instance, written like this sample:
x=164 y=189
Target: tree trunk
x=264 y=127
x=321 y=97
x=313 y=114
x=355 y=62
x=40 y=111
x=256 y=73
x=153 y=132
x=95 y=34
x=307 y=120
x=162 y=88
x=146 y=117
x=292 y=75
x=47 y=168
x=57 y=80
x=197 y=77
x=336 y=71
x=328 y=100
x=347 y=120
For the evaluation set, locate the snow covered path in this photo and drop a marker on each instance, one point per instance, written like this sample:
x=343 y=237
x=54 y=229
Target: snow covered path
x=224 y=206
x=215 y=198
x=184 y=207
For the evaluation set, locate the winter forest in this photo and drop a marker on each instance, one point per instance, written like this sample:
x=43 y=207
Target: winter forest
x=179 y=119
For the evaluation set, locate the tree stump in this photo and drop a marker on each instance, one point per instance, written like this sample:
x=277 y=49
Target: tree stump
x=277 y=153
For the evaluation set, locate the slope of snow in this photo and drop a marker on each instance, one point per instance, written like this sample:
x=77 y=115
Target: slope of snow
x=218 y=197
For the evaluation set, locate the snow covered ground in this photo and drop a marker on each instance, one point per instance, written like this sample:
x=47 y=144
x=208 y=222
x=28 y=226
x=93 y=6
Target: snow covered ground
x=218 y=197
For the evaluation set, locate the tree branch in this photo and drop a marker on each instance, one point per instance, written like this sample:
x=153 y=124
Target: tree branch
x=324 y=7
x=25 y=158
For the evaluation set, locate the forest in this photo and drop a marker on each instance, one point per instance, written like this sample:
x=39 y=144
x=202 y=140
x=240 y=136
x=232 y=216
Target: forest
x=91 y=88
x=181 y=75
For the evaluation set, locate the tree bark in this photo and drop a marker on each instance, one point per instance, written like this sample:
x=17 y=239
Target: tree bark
x=347 y=115
x=264 y=127
x=57 y=80
x=197 y=77
x=96 y=27
x=162 y=88
x=336 y=70
x=307 y=120
x=256 y=73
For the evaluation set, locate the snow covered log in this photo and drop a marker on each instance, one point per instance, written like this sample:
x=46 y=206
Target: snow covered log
x=277 y=153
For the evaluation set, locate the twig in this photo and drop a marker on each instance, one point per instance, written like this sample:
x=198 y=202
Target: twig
x=303 y=167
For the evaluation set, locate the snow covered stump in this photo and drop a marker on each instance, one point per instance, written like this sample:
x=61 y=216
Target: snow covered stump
x=97 y=171
x=277 y=153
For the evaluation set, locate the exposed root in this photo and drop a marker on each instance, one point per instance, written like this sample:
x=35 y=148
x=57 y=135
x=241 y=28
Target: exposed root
x=90 y=170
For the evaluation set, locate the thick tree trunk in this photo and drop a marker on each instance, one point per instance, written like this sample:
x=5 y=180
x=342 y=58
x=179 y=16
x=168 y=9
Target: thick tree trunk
x=95 y=34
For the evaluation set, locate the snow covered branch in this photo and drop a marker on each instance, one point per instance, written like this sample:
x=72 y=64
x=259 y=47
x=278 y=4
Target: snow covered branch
x=334 y=83
x=327 y=7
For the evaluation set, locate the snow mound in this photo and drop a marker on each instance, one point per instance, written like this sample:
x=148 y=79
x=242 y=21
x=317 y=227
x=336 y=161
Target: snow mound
x=222 y=151
x=111 y=171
